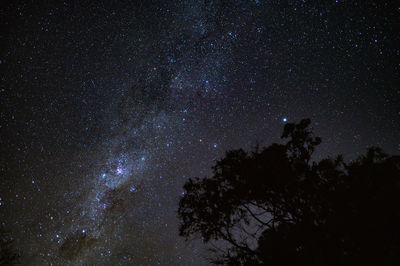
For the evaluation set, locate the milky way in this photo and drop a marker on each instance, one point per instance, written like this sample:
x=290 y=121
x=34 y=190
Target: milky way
x=108 y=107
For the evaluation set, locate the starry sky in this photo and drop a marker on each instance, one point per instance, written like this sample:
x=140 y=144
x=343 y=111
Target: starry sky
x=108 y=107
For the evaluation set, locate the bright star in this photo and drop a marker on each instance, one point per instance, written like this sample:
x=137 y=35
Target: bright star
x=119 y=170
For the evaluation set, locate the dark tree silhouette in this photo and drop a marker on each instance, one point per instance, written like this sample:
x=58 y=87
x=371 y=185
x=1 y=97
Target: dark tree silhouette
x=8 y=254
x=273 y=206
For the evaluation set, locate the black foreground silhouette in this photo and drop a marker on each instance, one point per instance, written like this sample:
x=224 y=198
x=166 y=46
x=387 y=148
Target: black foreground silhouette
x=273 y=206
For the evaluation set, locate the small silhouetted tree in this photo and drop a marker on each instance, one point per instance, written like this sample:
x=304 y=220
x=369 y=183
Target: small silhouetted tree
x=8 y=254
x=272 y=206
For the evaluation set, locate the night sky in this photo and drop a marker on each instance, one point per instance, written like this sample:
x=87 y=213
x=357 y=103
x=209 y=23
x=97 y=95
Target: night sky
x=108 y=107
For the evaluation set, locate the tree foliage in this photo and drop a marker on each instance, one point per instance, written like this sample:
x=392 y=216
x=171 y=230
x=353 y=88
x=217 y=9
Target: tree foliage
x=273 y=206
x=8 y=254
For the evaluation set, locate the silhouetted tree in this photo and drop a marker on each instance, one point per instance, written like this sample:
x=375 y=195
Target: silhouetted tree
x=273 y=206
x=8 y=255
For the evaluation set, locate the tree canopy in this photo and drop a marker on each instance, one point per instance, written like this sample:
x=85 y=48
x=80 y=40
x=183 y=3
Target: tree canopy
x=274 y=206
x=8 y=253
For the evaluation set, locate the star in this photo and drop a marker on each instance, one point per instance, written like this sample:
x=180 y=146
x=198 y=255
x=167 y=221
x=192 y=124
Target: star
x=119 y=170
